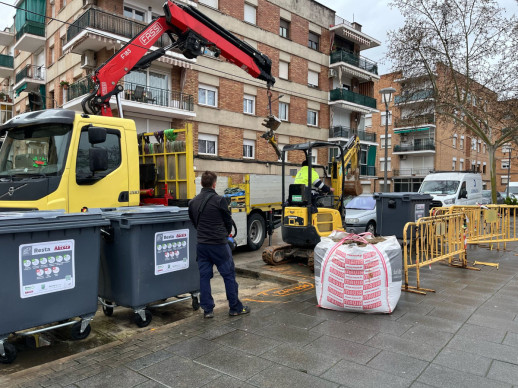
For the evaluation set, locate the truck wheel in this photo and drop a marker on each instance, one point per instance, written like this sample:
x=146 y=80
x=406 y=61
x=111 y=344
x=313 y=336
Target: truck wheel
x=256 y=231
x=10 y=354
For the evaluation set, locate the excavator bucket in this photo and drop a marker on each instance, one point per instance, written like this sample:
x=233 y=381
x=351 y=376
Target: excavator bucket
x=353 y=186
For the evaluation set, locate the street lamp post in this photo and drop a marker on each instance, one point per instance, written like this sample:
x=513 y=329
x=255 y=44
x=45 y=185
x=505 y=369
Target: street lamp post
x=508 y=171
x=386 y=97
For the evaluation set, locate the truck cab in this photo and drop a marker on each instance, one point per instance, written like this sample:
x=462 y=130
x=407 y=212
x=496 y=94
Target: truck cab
x=58 y=159
x=453 y=188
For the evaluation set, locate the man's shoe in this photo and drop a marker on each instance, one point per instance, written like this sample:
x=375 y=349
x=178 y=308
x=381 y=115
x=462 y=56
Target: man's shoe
x=208 y=314
x=244 y=310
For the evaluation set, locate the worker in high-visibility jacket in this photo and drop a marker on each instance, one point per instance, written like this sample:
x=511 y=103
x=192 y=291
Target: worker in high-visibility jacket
x=317 y=184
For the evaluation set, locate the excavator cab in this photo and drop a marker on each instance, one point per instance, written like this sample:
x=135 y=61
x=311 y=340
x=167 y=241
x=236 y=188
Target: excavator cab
x=308 y=216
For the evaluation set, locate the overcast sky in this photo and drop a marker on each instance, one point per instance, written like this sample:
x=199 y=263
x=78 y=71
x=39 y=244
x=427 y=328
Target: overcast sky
x=375 y=16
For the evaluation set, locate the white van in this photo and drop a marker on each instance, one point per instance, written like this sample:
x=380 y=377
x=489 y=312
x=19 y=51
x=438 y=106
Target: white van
x=513 y=190
x=453 y=188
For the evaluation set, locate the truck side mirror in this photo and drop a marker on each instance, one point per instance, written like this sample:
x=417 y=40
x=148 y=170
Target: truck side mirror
x=98 y=159
x=96 y=135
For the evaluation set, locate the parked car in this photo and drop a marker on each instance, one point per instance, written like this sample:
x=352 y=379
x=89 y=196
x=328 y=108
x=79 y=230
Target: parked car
x=486 y=197
x=360 y=214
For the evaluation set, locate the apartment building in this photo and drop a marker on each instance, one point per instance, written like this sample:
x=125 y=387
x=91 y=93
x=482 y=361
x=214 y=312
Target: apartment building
x=323 y=91
x=420 y=140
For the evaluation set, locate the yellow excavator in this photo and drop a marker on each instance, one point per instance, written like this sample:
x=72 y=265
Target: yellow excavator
x=307 y=218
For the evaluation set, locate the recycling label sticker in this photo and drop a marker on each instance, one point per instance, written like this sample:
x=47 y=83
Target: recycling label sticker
x=46 y=267
x=171 y=251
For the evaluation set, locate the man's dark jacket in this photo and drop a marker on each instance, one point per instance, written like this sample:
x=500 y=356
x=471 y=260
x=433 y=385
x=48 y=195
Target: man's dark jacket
x=215 y=222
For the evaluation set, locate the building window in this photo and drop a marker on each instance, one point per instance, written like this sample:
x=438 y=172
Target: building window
x=133 y=13
x=505 y=164
x=455 y=141
x=484 y=148
x=474 y=144
x=283 y=69
x=312 y=79
x=383 y=114
x=314 y=156
x=479 y=146
x=51 y=54
x=207 y=95
x=284 y=29
x=506 y=148
x=454 y=164
x=147 y=86
x=313 y=41
x=461 y=145
x=368 y=120
x=249 y=104
x=210 y=3
x=382 y=164
x=312 y=117
x=389 y=141
x=248 y=149
x=504 y=180
x=250 y=13
x=207 y=144
x=484 y=168
x=284 y=111
x=6 y=113
x=461 y=165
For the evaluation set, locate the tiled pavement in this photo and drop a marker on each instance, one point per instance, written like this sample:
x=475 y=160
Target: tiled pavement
x=464 y=335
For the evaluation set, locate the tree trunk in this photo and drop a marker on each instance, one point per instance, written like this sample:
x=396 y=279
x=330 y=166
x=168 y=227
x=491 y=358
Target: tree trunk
x=492 y=170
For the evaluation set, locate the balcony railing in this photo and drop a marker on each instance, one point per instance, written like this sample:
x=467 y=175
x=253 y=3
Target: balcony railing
x=95 y=18
x=339 y=20
x=412 y=171
x=423 y=145
x=138 y=93
x=31 y=71
x=412 y=97
x=31 y=27
x=367 y=170
x=347 y=95
x=355 y=60
x=6 y=61
x=414 y=121
x=343 y=131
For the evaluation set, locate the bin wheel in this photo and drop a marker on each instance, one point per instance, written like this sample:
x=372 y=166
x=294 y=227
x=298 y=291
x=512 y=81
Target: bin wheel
x=76 y=334
x=195 y=303
x=108 y=311
x=10 y=354
x=138 y=319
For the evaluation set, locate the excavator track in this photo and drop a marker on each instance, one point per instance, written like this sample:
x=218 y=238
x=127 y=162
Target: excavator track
x=282 y=254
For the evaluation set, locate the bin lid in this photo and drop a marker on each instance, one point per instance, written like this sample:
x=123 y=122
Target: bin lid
x=146 y=214
x=29 y=221
x=411 y=196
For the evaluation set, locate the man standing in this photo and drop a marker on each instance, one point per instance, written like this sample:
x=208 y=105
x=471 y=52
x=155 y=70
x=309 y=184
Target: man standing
x=211 y=217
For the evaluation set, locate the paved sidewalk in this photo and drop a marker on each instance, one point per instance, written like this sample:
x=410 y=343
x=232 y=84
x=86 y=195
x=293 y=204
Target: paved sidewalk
x=464 y=335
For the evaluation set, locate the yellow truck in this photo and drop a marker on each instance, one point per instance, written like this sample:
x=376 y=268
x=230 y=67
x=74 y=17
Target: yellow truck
x=59 y=159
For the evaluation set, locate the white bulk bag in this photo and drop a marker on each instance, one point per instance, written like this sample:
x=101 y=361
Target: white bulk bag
x=357 y=275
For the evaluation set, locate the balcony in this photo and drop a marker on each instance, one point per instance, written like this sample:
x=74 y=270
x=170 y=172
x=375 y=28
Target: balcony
x=412 y=171
x=138 y=99
x=31 y=37
x=367 y=170
x=418 y=145
x=414 y=122
x=6 y=66
x=30 y=78
x=7 y=36
x=353 y=101
x=350 y=58
x=346 y=132
x=353 y=33
x=409 y=98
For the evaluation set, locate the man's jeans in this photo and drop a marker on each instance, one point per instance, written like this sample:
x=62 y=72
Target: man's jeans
x=221 y=256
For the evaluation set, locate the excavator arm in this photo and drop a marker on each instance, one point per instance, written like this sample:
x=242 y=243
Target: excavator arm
x=352 y=185
x=191 y=33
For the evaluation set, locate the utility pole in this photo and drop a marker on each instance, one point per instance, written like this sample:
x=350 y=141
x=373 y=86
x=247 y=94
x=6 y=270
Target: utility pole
x=386 y=96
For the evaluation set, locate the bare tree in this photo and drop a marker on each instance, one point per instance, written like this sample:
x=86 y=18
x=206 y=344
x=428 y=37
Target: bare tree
x=467 y=51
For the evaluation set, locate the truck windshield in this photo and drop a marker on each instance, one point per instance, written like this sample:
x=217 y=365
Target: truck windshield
x=36 y=150
x=362 y=203
x=513 y=189
x=439 y=187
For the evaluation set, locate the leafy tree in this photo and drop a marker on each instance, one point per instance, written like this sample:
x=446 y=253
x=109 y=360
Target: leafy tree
x=466 y=52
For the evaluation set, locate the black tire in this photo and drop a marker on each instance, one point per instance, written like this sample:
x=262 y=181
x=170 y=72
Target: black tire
x=75 y=331
x=138 y=319
x=371 y=227
x=108 y=311
x=256 y=231
x=195 y=303
x=10 y=354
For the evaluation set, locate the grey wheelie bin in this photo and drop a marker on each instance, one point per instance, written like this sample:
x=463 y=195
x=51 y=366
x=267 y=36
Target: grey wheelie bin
x=394 y=210
x=50 y=268
x=147 y=257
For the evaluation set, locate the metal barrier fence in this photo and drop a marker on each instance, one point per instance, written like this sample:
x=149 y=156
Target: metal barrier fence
x=430 y=240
